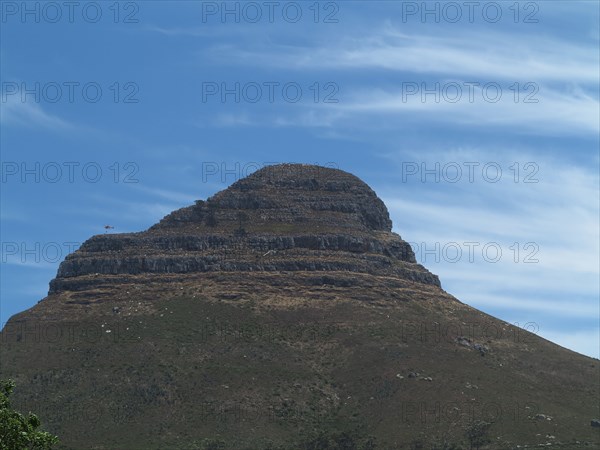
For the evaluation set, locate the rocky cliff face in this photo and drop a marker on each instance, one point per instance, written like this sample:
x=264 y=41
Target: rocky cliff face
x=288 y=217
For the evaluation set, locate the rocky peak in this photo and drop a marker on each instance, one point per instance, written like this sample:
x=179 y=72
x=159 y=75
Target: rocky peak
x=288 y=217
x=313 y=197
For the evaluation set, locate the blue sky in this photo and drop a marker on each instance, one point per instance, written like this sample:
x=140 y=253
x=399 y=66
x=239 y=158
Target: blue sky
x=118 y=113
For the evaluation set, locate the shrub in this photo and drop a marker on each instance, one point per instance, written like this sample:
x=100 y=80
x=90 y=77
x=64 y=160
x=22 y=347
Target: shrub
x=18 y=431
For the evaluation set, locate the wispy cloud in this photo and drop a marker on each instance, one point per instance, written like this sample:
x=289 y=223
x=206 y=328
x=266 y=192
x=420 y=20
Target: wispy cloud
x=536 y=307
x=486 y=55
x=586 y=341
x=180 y=31
x=232 y=120
x=561 y=97
x=165 y=194
x=16 y=112
x=311 y=118
x=559 y=213
x=569 y=111
x=206 y=31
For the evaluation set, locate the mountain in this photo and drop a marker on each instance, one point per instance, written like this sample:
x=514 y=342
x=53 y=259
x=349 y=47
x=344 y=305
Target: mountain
x=283 y=313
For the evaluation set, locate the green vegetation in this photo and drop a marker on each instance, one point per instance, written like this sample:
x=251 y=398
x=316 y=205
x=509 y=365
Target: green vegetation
x=478 y=434
x=286 y=364
x=339 y=441
x=18 y=431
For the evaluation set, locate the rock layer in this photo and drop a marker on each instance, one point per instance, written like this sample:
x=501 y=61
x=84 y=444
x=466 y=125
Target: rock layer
x=288 y=217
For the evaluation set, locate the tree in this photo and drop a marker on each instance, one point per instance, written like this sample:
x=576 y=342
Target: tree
x=18 y=431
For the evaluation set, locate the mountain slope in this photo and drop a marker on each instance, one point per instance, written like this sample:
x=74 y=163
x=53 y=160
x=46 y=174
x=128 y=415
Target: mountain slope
x=280 y=308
